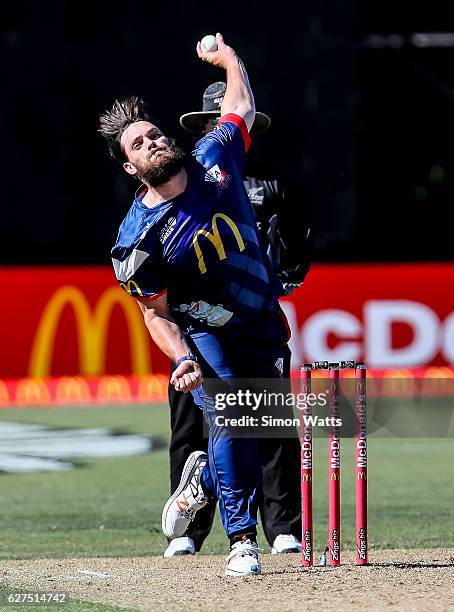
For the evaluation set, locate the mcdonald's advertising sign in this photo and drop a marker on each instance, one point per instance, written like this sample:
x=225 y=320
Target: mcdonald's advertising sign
x=77 y=322
x=72 y=321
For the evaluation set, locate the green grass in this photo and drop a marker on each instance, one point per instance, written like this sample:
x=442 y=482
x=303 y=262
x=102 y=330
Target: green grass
x=112 y=507
x=153 y=420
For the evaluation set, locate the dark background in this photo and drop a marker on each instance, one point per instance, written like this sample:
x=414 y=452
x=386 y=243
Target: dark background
x=362 y=121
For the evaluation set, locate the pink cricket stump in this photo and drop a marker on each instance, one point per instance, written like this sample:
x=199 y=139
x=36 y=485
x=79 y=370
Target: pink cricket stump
x=334 y=470
x=306 y=472
x=361 y=463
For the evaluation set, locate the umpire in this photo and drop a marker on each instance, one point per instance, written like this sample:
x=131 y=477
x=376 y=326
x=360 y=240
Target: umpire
x=287 y=245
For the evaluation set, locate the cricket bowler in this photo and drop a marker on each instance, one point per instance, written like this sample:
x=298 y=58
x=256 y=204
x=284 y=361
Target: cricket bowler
x=189 y=253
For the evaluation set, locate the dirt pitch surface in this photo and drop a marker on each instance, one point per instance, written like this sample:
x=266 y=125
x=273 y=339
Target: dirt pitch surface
x=396 y=579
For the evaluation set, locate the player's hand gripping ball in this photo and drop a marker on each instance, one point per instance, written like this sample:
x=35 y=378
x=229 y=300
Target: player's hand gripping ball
x=209 y=44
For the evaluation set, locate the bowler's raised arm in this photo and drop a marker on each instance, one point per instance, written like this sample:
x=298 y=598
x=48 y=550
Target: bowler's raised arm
x=238 y=98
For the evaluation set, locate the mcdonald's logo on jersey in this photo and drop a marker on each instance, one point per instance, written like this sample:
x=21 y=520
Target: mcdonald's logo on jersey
x=129 y=286
x=215 y=238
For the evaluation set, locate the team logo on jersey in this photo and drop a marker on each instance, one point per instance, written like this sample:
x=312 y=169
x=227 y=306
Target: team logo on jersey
x=216 y=175
x=167 y=229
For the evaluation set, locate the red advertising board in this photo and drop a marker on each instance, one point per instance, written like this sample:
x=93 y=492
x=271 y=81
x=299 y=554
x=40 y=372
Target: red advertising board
x=66 y=321
x=77 y=321
x=391 y=316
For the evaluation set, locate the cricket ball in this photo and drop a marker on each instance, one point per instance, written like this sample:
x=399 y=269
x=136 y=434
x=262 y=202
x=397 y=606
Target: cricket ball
x=209 y=44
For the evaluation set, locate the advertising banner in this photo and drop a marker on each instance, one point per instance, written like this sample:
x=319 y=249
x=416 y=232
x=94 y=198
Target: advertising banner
x=75 y=321
x=72 y=321
x=390 y=316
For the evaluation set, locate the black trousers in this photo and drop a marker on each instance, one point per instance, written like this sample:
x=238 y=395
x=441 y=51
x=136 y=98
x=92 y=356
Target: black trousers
x=280 y=504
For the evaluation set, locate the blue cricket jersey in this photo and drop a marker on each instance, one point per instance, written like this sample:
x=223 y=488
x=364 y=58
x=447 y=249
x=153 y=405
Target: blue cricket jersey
x=202 y=247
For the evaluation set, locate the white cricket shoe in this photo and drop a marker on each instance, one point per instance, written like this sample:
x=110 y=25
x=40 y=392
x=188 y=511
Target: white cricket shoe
x=180 y=546
x=286 y=543
x=189 y=497
x=243 y=559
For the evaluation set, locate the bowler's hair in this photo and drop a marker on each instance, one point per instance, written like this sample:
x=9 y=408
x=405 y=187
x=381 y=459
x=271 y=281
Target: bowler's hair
x=114 y=122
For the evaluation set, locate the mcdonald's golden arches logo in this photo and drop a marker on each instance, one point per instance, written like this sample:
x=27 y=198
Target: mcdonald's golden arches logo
x=114 y=388
x=32 y=391
x=215 y=238
x=92 y=329
x=72 y=389
x=128 y=288
x=153 y=388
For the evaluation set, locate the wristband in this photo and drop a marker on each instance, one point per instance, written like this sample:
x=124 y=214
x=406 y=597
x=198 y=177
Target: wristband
x=186 y=358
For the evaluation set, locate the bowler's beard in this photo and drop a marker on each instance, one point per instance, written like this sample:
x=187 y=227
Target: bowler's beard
x=159 y=169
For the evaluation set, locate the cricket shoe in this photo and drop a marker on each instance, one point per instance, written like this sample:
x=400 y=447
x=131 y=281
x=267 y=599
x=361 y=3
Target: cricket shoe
x=189 y=497
x=285 y=543
x=179 y=547
x=243 y=559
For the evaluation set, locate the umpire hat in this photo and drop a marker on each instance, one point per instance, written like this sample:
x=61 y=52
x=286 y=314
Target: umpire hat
x=211 y=108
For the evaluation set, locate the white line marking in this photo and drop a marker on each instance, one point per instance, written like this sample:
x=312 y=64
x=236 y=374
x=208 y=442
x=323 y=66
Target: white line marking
x=97 y=574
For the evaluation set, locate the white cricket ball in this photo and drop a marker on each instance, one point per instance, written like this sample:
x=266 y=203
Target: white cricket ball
x=209 y=44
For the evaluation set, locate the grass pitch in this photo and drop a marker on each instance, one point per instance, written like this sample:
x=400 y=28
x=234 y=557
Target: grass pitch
x=111 y=507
